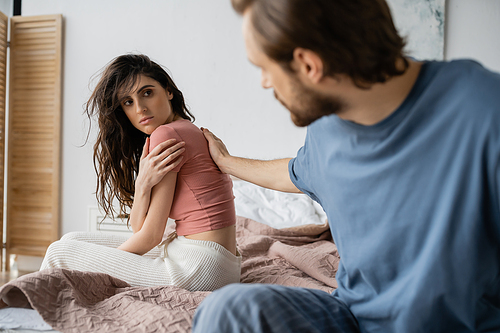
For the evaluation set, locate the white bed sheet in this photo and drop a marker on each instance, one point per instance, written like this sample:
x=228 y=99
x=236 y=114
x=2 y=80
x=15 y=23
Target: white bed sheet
x=22 y=320
x=276 y=209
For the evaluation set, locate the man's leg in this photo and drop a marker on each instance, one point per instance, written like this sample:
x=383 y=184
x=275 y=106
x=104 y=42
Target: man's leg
x=272 y=308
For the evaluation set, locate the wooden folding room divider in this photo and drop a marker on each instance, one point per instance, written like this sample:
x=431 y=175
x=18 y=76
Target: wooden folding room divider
x=34 y=118
x=4 y=21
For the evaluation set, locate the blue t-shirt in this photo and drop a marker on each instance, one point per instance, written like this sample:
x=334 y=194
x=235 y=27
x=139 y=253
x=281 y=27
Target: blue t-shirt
x=413 y=204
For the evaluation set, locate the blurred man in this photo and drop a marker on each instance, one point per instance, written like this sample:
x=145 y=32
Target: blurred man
x=404 y=157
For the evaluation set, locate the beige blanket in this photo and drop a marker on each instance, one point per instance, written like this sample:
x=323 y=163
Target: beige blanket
x=73 y=301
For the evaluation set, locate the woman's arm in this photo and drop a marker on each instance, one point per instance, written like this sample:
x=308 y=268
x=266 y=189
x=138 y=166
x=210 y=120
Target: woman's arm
x=151 y=232
x=153 y=167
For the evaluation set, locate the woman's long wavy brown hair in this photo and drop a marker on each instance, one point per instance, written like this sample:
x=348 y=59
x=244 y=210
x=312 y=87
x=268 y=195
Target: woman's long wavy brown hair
x=119 y=144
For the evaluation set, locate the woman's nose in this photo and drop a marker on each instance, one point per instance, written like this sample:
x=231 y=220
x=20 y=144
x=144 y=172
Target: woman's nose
x=264 y=81
x=139 y=108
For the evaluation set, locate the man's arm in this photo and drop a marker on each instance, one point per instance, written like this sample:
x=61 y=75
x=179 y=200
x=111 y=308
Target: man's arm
x=269 y=174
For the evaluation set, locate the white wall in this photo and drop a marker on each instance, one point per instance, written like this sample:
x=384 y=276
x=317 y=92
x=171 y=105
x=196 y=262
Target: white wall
x=473 y=31
x=200 y=42
x=7 y=7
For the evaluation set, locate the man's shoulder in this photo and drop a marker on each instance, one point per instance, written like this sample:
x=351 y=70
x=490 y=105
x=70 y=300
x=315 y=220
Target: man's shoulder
x=469 y=72
x=463 y=87
x=477 y=88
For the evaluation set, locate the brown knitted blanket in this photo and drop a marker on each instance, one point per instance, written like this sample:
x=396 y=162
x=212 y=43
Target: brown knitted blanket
x=73 y=301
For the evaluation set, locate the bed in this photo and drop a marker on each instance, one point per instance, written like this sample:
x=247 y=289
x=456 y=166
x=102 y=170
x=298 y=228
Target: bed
x=283 y=239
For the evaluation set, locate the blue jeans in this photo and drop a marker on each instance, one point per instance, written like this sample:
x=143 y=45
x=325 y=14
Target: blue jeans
x=272 y=308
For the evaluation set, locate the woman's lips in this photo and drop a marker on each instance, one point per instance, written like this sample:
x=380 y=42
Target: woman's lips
x=145 y=120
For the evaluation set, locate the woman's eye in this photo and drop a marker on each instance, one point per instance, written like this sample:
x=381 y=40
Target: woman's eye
x=147 y=93
x=127 y=103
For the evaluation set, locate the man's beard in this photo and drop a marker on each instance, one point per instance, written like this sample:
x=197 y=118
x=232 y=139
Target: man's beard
x=309 y=105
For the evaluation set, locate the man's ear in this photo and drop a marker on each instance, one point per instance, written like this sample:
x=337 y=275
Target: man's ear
x=309 y=64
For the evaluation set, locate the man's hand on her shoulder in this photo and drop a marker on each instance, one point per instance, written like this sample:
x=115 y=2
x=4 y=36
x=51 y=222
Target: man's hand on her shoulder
x=217 y=148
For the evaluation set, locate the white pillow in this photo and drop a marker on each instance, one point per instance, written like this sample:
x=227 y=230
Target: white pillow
x=276 y=209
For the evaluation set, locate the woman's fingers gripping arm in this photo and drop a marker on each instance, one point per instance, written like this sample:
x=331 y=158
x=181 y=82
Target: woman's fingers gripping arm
x=154 y=165
x=157 y=163
x=169 y=158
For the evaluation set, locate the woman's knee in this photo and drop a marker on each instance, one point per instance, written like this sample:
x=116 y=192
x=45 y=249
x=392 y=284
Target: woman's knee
x=56 y=247
x=53 y=254
x=61 y=254
x=74 y=235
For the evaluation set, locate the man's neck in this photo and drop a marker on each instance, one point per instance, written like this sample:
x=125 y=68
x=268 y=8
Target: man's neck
x=370 y=106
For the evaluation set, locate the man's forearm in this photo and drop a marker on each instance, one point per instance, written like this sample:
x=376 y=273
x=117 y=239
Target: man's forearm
x=271 y=174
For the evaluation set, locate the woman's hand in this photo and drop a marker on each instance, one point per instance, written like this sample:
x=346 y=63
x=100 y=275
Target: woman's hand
x=156 y=164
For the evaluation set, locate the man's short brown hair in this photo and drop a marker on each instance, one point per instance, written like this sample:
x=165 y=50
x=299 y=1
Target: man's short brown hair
x=353 y=37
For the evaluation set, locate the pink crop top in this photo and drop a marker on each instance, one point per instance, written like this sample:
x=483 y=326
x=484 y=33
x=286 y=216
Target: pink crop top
x=203 y=198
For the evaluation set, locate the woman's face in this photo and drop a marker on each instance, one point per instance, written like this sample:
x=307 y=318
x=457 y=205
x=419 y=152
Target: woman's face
x=148 y=105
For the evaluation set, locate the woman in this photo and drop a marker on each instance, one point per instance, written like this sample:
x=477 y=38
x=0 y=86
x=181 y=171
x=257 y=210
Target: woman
x=139 y=106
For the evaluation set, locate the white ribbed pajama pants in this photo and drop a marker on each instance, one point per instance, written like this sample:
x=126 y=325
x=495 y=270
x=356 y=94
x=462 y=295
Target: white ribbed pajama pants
x=186 y=263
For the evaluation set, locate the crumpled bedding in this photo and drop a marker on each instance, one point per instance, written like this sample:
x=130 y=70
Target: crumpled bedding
x=73 y=301
x=274 y=208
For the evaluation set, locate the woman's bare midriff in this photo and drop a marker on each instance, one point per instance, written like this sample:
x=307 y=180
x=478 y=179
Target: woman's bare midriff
x=225 y=237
